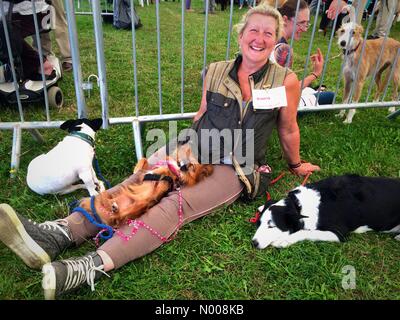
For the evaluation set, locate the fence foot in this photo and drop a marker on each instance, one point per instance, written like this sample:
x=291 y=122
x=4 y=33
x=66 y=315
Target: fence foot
x=137 y=137
x=393 y=115
x=16 y=151
x=36 y=135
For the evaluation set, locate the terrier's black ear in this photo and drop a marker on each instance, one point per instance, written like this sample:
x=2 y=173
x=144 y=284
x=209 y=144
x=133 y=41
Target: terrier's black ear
x=95 y=124
x=68 y=124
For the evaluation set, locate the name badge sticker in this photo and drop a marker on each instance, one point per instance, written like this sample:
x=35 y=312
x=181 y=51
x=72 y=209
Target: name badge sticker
x=269 y=99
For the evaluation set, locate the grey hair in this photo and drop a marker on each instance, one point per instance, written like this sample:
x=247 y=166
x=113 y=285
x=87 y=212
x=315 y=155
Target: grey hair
x=265 y=10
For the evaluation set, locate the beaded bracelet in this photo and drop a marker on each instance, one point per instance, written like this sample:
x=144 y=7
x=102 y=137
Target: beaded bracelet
x=315 y=75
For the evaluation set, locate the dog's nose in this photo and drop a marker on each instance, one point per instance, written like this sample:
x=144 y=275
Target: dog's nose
x=255 y=243
x=343 y=43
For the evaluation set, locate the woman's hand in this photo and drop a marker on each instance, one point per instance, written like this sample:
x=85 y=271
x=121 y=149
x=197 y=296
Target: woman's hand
x=333 y=8
x=305 y=168
x=318 y=62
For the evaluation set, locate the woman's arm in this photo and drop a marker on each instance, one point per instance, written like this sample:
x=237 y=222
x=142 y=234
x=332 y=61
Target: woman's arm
x=203 y=103
x=288 y=130
x=282 y=53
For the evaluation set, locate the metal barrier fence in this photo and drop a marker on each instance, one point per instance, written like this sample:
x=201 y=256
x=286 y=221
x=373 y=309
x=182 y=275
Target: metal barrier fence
x=137 y=119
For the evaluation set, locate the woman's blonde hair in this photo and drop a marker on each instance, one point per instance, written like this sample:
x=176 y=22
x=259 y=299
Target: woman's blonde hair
x=264 y=10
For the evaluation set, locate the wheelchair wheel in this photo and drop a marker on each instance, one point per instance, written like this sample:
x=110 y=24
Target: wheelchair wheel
x=56 y=98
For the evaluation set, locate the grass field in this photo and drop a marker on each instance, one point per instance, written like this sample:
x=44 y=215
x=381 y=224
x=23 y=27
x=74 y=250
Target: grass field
x=212 y=258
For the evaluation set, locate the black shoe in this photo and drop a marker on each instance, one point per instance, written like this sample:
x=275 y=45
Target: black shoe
x=373 y=37
x=36 y=244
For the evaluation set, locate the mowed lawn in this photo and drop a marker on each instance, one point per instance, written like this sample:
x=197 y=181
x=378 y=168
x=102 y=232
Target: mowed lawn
x=211 y=258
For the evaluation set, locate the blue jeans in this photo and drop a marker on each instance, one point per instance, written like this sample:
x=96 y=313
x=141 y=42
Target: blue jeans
x=325 y=97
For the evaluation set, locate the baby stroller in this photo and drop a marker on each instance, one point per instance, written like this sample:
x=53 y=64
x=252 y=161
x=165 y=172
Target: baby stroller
x=30 y=90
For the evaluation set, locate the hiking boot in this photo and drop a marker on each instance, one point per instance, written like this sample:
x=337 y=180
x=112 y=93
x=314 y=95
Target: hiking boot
x=36 y=244
x=62 y=276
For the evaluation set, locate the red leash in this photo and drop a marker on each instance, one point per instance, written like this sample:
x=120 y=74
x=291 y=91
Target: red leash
x=268 y=196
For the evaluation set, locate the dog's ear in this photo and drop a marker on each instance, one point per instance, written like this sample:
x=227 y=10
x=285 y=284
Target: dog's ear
x=339 y=31
x=206 y=170
x=95 y=124
x=267 y=204
x=287 y=218
x=359 y=29
x=67 y=125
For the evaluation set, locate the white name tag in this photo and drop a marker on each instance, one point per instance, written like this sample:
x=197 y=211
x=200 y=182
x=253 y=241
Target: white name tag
x=269 y=98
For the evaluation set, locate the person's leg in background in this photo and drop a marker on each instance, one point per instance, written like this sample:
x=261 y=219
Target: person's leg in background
x=384 y=19
x=323 y=25
x=29 y=56
x=359 y=6
x=325 y=97
x=188 y=5
x=61 y=37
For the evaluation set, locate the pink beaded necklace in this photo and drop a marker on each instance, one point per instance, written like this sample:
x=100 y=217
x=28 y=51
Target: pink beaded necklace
x=137 y=224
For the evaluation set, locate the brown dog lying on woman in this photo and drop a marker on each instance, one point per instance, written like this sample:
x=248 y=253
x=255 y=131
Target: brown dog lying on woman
x=133 y=197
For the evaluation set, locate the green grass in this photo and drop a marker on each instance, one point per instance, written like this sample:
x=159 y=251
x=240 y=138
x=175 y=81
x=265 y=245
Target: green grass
x=212 y=257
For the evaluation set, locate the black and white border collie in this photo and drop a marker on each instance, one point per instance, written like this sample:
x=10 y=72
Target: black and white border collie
x=328 y=210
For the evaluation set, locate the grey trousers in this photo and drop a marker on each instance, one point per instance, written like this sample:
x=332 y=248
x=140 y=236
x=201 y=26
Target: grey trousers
x=60 y=32
x=384 y=19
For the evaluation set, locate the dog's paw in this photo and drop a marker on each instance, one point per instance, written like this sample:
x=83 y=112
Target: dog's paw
x=392 y=109
x=281 y=243
x=100 y=187
x=341 y=114
x=93 y=193
x=347 y=121
x=397 y=237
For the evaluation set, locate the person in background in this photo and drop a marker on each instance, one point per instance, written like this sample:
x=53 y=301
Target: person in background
x=250 y=3
x=61 y=36
x=188 y=5
x=282 y=51
x=22 y=26
x=211 y=6
x=384 y=20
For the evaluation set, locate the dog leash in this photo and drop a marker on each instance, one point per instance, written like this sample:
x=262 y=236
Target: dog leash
x=107 y=231
x=96 y=221
x=98 y=172
x=268 y=196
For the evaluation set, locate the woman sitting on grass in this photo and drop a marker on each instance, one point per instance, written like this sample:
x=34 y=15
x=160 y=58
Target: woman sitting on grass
x=227 y=103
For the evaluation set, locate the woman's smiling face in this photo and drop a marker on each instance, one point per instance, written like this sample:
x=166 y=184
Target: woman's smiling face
x=258 y=38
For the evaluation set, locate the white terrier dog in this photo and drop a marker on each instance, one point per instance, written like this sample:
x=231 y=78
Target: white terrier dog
x=58 y=171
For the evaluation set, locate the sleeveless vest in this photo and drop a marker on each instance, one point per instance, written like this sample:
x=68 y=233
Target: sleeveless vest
x=240 y=125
